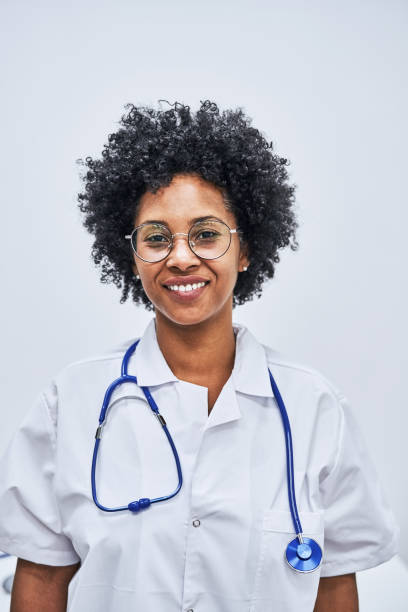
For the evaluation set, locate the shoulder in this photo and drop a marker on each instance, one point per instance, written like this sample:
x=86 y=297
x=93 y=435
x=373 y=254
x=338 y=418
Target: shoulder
x=300 y=371
x=314 y=401
x=92 y=365
x=79 y=383
x=309 y=389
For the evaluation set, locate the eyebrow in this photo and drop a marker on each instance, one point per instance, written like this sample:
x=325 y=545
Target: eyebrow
x=195 y=220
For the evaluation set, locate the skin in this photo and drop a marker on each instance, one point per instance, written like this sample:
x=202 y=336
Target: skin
x=337 y=594
x=41 y=588
x=44 y=588
x=202 y=329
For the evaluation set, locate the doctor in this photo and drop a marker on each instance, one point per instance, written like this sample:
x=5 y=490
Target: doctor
x=188 y=212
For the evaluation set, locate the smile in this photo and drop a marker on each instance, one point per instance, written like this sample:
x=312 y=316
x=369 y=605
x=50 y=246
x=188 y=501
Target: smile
x=187 y=292
x=186 y=287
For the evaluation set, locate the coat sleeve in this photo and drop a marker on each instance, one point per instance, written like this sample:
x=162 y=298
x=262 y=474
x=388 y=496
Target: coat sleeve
x=30 y=522
x=360 y=527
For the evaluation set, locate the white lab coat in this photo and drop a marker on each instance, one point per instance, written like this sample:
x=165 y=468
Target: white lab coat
x=219 y=544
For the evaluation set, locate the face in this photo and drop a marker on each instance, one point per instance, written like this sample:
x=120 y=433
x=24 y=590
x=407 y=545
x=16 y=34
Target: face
x=177 y=205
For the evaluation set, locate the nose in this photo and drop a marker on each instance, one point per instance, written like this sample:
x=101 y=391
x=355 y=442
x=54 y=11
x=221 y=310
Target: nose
x=181 y=255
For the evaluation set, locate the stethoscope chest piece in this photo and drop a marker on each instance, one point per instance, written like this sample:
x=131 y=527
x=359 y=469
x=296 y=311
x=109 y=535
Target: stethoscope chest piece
x=305 y=556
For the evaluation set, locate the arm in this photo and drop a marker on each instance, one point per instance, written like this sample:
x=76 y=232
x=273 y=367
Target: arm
x=41 y=588
x=337 y=594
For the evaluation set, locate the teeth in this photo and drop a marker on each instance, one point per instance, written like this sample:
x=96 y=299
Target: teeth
x=186 y=287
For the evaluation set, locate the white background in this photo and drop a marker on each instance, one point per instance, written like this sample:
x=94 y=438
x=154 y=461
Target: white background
x=325 y=81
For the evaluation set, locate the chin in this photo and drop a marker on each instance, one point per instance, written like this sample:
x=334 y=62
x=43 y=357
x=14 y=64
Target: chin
x=183 y=317
x=192 y=313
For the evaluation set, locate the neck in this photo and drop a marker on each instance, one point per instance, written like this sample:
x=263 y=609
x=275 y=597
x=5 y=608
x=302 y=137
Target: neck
x=198 y=353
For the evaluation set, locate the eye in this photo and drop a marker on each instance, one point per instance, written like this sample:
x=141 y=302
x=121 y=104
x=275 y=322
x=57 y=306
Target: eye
x=156 y=238
x=208 y=234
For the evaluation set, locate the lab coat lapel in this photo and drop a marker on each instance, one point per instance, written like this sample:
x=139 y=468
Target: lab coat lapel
x=147 y=363
x=226 y=408
x=250 y=373
x=249 y=376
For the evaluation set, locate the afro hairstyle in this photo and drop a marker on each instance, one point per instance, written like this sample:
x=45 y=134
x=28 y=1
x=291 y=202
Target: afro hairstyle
x=150 y=148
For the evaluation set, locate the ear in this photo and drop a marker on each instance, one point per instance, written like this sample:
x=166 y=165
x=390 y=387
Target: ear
x=243 y=257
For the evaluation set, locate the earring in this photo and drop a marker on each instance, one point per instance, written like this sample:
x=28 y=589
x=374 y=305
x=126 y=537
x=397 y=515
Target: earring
x=245 y=269
x=137 y=276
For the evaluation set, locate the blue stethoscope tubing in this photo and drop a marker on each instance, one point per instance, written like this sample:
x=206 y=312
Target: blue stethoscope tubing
x=144 y=502
x=302 y=554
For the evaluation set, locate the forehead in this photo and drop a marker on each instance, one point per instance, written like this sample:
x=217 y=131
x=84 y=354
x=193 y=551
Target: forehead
x=184 y=199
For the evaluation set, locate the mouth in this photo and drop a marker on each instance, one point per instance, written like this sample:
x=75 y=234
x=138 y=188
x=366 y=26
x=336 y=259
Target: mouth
x=186 y=293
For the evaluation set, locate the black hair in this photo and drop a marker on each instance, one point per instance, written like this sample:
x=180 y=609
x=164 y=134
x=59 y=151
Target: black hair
x=150 y=148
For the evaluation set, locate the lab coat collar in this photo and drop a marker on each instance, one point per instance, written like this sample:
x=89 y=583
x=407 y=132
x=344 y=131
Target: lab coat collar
x=149 y=364
x=249 y=375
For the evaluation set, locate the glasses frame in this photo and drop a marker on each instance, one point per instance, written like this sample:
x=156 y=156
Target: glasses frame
x=231 y=231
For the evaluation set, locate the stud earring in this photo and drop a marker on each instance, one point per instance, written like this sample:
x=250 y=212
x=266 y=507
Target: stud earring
x=245 y=268
x=137 y=276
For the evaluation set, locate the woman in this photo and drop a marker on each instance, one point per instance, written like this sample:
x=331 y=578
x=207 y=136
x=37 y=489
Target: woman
x=188 y=213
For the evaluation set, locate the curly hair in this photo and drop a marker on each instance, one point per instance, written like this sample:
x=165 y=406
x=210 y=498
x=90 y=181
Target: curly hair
x=151 y=147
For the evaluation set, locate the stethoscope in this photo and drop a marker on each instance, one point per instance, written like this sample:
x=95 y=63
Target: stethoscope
x=303 y=554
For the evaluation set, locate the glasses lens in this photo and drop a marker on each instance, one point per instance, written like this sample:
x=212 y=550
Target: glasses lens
x=151 y=242
x=209 y=239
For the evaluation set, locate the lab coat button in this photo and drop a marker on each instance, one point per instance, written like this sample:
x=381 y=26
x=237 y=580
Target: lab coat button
x=196 y=523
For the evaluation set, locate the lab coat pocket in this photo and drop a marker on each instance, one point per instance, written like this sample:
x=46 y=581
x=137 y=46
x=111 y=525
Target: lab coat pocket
x=277 y=585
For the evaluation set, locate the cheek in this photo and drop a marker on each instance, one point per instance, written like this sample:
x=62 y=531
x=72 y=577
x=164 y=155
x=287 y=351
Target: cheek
x=154 y=293
x=149 y=286
x=226 y=276
x=147 y=281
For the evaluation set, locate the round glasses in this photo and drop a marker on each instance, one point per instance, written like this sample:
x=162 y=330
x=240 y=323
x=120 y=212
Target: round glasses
x=152 y=242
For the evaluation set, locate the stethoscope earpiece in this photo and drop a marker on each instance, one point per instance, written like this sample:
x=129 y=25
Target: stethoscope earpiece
x=305 y=556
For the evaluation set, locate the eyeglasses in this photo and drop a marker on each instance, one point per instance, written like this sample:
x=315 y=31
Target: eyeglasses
x=152 y=242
